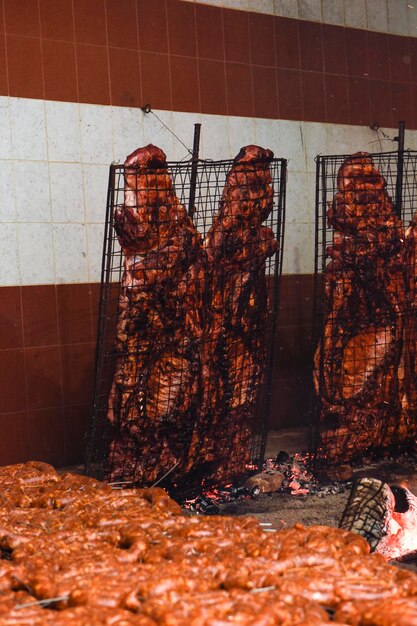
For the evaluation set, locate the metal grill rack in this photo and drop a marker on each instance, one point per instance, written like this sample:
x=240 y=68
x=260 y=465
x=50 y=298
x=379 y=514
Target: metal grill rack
x=198 y=186
x=365 y=310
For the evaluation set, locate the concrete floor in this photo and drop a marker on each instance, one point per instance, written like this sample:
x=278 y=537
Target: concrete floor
x=283 y=510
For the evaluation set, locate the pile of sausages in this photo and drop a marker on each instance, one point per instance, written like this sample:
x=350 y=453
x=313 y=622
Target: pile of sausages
x=365 y=373
x=192 y=324
x=76 y=552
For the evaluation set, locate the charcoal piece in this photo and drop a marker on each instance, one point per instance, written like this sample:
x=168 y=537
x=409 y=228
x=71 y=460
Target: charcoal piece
x=385 y=515
x=368 y=510
x=233 y=344
x=282 y=457
x=357 y=363
x=155 y=387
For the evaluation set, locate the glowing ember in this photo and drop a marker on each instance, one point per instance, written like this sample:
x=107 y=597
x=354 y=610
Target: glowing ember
x=208 y=500
x=385 y=515
x=298 y=481
x=401 y=530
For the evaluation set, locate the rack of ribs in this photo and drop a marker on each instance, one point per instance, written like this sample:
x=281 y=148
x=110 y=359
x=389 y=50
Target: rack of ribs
x=358 y=370
x=153 y=398
x=234 y=339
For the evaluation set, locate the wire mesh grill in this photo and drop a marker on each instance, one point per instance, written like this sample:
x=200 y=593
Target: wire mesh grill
x=187 y=314
x=365 y=311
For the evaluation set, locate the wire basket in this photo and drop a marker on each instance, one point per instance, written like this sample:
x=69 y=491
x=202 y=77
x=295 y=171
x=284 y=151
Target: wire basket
x=365 y=305
x=186 y=320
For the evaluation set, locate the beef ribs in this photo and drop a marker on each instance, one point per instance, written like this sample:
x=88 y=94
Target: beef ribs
x=153 y=398
x=358 y=362
x=191 y=332
x=234 y=338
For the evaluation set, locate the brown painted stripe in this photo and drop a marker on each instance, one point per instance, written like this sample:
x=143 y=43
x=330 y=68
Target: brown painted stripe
x=47 y=349
x=191 y=57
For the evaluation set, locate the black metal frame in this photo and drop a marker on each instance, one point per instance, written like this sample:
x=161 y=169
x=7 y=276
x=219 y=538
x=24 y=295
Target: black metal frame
x=399 y=168
x=199 y=186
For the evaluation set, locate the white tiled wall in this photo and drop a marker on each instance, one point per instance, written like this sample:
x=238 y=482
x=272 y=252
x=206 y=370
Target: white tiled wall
x=9 y=255
x=28 y=129
x=53 y=179
x=36 y=253
x=66 y=190
x=63 y=131
x=389 y=16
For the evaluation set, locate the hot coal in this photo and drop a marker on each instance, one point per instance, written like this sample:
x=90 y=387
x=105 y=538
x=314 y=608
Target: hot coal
x=385 y=515
x=208 y=501
x=299 y=480
x=302 y=479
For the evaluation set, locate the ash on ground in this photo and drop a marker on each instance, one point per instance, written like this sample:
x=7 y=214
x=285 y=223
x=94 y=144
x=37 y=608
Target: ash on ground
x=298 y=485
x=303 y=497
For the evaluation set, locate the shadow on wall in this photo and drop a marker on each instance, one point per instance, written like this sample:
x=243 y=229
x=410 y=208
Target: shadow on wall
x=291 y=377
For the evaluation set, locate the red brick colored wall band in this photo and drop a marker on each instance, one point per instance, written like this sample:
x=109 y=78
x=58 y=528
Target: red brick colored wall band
x=47 y=351
x=190 y=57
